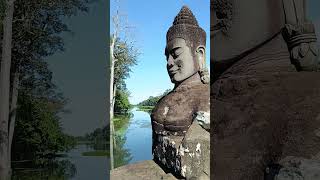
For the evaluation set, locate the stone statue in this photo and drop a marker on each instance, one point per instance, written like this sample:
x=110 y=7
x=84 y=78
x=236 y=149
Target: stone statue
x=265 y=91
x=180 y=120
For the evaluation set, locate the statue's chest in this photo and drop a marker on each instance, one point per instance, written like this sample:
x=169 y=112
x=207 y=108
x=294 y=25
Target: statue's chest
x=175 y=106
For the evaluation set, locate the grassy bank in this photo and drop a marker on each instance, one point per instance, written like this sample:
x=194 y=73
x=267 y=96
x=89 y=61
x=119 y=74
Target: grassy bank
x=96 y=153
x=145 y=108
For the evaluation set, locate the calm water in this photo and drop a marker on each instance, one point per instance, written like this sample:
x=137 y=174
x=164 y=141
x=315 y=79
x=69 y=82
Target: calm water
x=89 y=167
x=73 y=167
x=136 y=137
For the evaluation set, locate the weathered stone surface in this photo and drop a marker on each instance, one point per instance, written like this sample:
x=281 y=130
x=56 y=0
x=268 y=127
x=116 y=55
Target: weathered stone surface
x=187 y=156
x=145 y=170
x=203 y=118
x=195 y=152
x=295 y=168
x=263 y=111
x=166 y=151
x=175 y=112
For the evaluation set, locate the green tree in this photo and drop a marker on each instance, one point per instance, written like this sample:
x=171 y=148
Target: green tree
x=152 y=101
x=124 y=58
x=38 y=130
x=99 y=138
x=31 y=34
x=122 y=104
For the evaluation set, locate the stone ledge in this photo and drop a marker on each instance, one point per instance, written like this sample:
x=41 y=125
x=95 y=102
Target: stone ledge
x=144 y=170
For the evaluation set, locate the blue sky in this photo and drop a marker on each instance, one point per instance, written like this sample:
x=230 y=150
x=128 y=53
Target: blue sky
x=151 y=20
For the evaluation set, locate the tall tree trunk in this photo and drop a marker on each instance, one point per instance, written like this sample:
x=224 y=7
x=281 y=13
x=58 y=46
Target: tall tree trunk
x=112 y=44
x=5 y=90
x=111 y=144
x=114 y=95
x=112 y=75
x=13 y=111
x=114 y=100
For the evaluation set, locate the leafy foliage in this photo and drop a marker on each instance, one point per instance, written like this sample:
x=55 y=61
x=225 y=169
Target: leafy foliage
x=38 y=133
x=122 y=104
x=152 y=101
x=99 y=138
x=125 y=55
x=37 y=29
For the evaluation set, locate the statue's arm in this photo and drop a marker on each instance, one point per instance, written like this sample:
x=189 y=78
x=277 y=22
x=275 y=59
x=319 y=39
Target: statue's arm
x=202 y=114
x=295 y=11
x=300 y=36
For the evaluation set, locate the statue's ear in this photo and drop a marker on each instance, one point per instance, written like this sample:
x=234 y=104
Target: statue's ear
x=201 y=56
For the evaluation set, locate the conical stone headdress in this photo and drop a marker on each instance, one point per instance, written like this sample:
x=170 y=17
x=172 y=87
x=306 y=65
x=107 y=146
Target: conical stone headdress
x=185 y=26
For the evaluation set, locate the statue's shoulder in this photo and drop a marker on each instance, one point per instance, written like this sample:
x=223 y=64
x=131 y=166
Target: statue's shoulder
x=202 y=93
x=162 y=102
x=203 y=90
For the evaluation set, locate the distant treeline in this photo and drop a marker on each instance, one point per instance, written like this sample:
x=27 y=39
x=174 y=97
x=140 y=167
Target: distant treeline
x=152 y=100
x=99 y=138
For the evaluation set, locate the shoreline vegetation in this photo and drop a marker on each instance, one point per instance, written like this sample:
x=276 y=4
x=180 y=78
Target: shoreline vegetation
x=149 y=103
x=98 y=153
x=98 y=140
x=145 y=108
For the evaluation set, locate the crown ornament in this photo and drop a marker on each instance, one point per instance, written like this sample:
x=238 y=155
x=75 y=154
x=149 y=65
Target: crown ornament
x=185 y=26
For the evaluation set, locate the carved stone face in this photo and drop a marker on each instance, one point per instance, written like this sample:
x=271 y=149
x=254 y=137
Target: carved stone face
x=180 y=60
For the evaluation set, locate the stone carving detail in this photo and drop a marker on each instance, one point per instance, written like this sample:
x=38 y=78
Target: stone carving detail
x=300 y=36
x=302 y=44
x=223 y=14
x=181 y=119
x=264 y=109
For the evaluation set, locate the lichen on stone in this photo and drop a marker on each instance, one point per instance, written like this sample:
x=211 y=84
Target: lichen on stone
x=203 y=118
x=184 y=170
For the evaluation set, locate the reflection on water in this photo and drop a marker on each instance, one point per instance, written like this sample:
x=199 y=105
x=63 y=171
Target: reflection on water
x=133 y=139
x=72 y=167
x=89 y=167
x=60 y=169
x=122 y=156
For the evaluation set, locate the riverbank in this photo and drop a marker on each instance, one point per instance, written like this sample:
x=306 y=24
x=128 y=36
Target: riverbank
x=145 y=108
x=97 y=153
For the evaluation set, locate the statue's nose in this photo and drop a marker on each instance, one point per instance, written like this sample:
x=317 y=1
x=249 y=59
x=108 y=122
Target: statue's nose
x=170 y=62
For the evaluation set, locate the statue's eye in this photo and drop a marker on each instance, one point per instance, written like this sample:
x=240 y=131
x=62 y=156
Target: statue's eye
x=176 y=52
x=173 y=54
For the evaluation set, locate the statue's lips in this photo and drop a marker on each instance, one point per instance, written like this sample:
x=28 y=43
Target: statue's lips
x=173 y=72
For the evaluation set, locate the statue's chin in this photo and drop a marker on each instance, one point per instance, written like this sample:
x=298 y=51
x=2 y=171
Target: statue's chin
x=174 y=81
